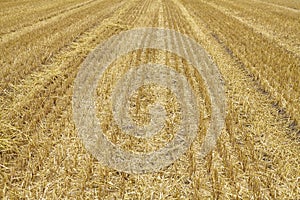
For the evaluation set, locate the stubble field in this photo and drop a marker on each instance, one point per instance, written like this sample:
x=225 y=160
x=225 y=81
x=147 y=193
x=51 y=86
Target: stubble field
x=256 y=47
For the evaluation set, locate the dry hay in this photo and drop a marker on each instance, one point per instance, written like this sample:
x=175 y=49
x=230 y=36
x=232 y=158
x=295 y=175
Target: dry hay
x=257 y=154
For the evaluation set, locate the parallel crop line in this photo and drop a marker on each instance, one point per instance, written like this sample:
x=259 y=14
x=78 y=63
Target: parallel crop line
x=52 y=18
x=259 y=29
x=279 y=6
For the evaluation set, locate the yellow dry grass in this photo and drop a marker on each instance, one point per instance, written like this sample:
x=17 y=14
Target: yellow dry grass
x=257 y=155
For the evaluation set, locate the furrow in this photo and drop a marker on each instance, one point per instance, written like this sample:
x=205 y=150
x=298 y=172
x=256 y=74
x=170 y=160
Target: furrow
x=43 y=43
